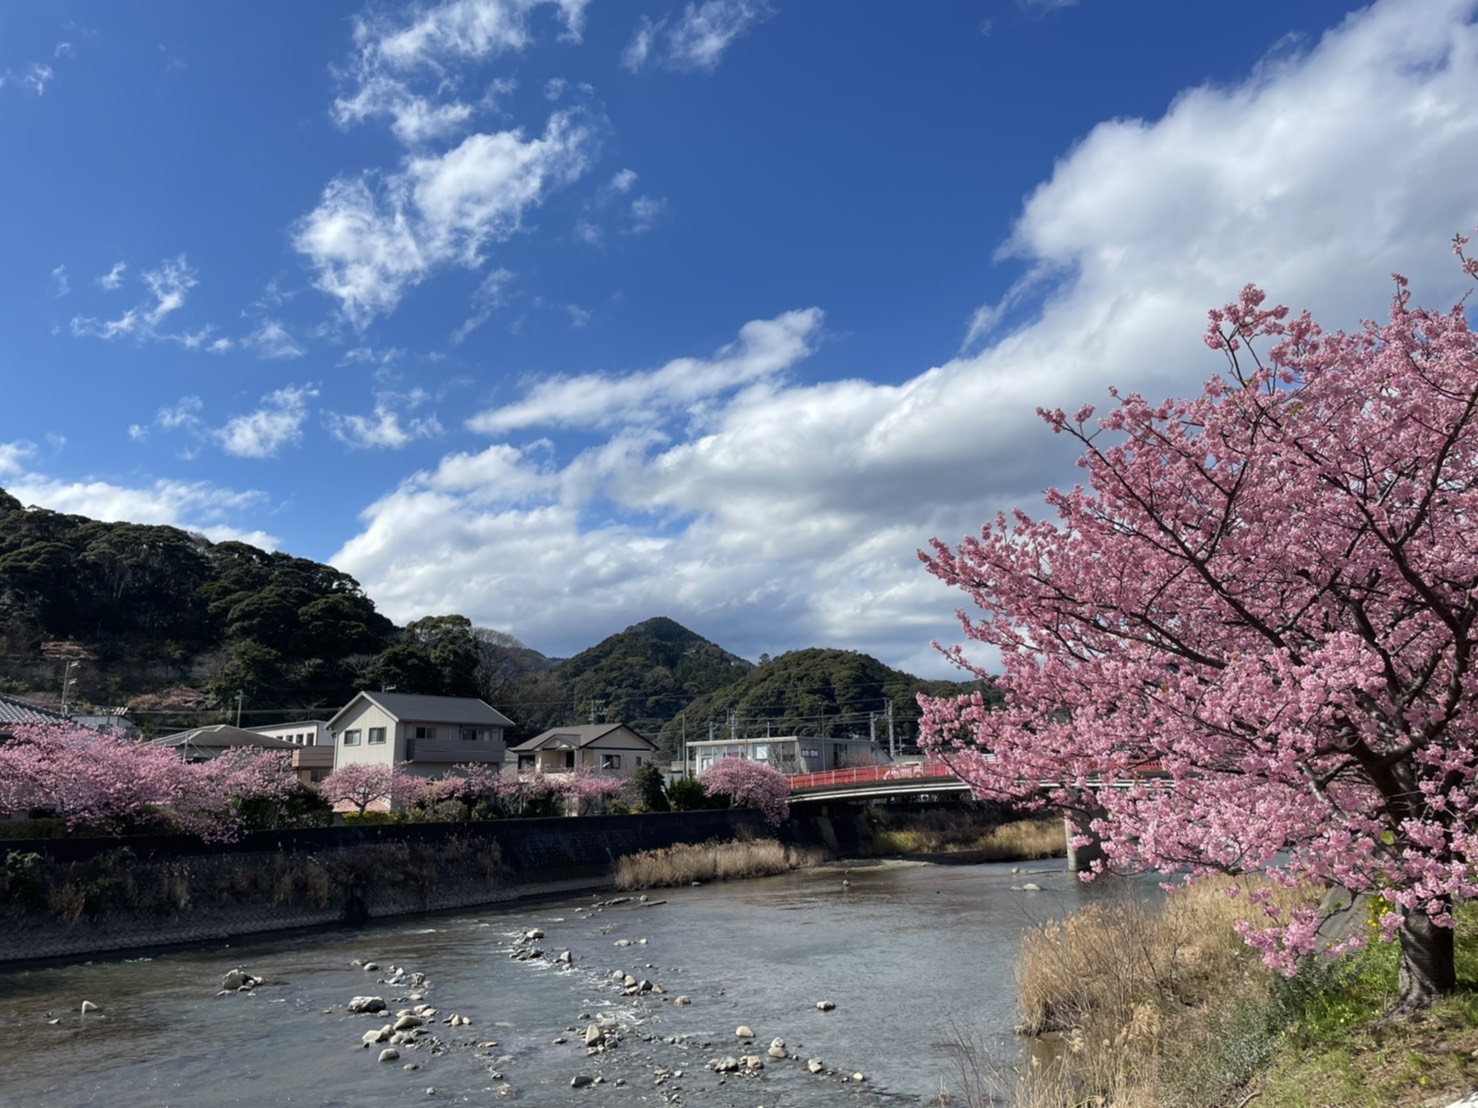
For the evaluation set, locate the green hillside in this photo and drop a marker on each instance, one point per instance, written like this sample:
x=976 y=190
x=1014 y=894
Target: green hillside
x=834 y=693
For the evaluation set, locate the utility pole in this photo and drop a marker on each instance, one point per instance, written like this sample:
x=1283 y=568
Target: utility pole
x=734 y=724
x=597 y=710
x=872 y=728
x=892 y=741
x=239 y=696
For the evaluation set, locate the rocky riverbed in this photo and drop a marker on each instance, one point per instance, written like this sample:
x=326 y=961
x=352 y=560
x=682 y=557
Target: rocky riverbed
x=817 y=988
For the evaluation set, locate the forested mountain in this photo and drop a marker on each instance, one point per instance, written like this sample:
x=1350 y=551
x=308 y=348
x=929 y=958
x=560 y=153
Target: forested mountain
x=179 y=626
x=185 y=631
x=835 y=693
x=642 y=676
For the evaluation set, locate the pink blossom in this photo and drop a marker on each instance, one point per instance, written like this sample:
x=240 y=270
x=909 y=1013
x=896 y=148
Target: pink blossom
x=1268 y=591
x=750 y=784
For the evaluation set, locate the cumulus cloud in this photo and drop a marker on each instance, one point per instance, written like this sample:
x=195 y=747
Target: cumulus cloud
x=696 y=40
x=371 y=240
x=704 y=497
x=114 y=277
x=276 y=424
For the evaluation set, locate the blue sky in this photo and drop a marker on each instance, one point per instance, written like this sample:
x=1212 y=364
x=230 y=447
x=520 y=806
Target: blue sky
x=566 y=314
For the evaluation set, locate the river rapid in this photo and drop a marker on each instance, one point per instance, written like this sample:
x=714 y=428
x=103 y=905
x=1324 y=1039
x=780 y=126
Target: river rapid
x=908 y=953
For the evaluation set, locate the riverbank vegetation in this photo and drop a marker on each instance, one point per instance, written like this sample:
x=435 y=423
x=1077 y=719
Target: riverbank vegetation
x=971 y=832
x=712 y=861
x=1142 y=1006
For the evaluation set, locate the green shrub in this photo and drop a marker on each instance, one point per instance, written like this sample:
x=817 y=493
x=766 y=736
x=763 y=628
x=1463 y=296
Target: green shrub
x=686 y=795
x=370 y=818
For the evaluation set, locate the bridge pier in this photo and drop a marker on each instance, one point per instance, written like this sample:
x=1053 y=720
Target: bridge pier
x=1079 y=858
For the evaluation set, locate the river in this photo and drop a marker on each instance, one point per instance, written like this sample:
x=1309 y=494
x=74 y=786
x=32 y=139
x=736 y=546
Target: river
x=906 y=952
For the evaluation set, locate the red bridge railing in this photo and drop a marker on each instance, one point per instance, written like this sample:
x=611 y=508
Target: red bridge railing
x=868 y=775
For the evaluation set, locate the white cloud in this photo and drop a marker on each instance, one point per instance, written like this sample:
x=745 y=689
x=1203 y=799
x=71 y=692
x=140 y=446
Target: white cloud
x=35 y=77
x=698 y=39
x=639 y=49
x=764 y=348
x=114 y=277
x=489 y=297
x=388 y=428
x=579 y=317
x=271 y=340
x=407 y=69
x=64 y=50
x=644 y=213
x=59 y=279
x=168 y=285
x=264 y=432
x=189 y=505
x=369 y=245
x=622 y=181
x=709 y=499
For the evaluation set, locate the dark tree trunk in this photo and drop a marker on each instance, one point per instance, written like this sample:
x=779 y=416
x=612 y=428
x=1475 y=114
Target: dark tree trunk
x=1427 y=967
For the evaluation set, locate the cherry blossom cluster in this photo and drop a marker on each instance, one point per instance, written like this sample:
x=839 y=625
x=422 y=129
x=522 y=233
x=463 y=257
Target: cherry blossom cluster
x=1269 y=592
x=750 y=784
x=104 y=783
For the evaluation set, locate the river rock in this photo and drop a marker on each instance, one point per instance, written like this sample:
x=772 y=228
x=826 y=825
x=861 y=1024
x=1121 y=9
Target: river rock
x=682 y=1001
x=565 y=958
x=379 y=1035
x=815 y=1065
x=743 y=1032
x=535 y=933
x=825 y=1006
x=405 y=1023
x=389 y=1054
x=752 y=1062
x=1031 y=887
x=371 y=967
x=581 y=1081
x=367 y=1004
x=593 y=1035
x=727 y=1064
x=239 y=979
x=777 y=1049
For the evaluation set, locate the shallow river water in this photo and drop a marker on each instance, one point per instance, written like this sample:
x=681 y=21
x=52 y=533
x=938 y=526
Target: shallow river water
x=906 y=952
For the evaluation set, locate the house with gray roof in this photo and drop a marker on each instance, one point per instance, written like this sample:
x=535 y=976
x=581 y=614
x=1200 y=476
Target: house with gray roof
x=16 y=712
x=611 y=748
x=425 y=734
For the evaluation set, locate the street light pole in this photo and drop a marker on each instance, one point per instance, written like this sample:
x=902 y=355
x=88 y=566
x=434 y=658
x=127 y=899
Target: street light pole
x=66 y=683
x=239 y=695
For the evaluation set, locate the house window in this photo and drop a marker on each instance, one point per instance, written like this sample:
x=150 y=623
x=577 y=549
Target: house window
x=351 y=737
x=610 y=761
x=376 y=734
x=525 y=761
x=638 y=759
x=469 y=735
x=425 y=733
x=810 y=752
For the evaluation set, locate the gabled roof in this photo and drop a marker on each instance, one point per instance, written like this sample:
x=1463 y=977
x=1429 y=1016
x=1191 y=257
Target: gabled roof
x=14 y=710
x=573 y=738
x=402 y=707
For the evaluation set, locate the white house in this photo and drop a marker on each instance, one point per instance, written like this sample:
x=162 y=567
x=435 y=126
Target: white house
x=790 y=754
x=610 y=748
x=303 y=732
x=427 y=734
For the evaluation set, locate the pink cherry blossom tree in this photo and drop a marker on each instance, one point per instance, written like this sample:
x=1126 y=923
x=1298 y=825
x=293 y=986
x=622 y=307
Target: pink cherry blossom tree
x=360 y=784
x=1269 y=591
x=750 y=784
x=586 y=791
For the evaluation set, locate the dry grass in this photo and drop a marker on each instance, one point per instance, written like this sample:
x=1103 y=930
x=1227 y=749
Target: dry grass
x=712 y=861
x=1136 y=1005
x=962 y=833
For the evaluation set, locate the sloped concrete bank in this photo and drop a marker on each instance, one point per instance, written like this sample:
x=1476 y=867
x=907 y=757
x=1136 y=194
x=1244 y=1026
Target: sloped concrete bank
x=93 y=896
